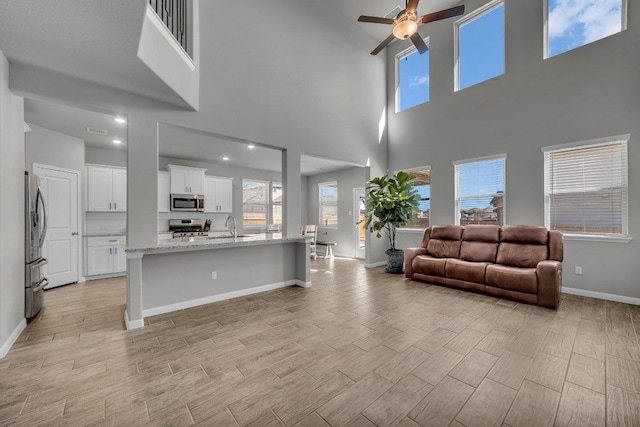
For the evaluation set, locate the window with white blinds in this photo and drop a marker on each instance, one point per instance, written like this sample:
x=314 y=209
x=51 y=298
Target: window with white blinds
x=480 y=185
x=586 y=187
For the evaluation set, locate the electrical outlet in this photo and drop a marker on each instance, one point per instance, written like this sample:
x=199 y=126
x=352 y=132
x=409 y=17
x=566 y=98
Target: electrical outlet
x=214 y=275
x=578 y=270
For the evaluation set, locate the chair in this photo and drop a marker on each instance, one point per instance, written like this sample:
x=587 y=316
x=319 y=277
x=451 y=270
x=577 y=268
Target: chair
x=311 y=230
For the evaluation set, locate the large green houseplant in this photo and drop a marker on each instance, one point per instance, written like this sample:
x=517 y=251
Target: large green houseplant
x=391 y=202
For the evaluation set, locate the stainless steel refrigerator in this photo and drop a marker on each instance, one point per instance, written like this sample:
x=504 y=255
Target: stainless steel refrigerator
x=35 y=233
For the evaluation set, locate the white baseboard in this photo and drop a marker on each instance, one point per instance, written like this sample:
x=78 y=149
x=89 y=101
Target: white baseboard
x=132 y=325
x=4 y=350
x=105 y=276
x=376 y=264
x=221 y=297
x=601 y=295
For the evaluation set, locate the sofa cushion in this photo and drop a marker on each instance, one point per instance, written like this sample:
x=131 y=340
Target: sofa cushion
x=444 y=241
x=465 y=270
x=480 y=243
x=481 y=233
x=430 y=266
x=512 y=278
x=521 y=255
x=531 y=234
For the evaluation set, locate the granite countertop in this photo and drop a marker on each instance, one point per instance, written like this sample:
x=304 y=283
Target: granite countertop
x=182 y=244
x=105 y=234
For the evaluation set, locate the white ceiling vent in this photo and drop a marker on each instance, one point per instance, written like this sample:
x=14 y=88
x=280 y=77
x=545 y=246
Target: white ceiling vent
x=394 y=12
x=97 y=131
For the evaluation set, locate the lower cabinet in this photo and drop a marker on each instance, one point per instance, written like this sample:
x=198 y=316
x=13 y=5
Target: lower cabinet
x=105 y=255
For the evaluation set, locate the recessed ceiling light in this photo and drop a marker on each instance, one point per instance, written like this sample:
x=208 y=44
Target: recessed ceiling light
x=225 y=158
x=120 y=120
x=251 y=146
x=117 y=141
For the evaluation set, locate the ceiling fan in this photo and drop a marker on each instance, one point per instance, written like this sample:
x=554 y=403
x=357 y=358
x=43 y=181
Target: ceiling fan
x=407 y=22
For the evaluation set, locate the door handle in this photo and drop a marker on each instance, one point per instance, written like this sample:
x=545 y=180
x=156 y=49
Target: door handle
x=75 y=233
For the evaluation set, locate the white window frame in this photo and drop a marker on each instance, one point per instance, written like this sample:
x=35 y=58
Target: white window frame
x=493 y=4
x=272 y=204
x=268 y=204
x=411 y=229
x=320 y=204
x=545 y=14
x=502 y=156
x=595 y=237
x=400 y=56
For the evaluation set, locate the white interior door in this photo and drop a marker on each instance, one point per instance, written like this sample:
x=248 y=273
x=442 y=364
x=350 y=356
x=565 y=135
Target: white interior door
x=359 y=231
x=60 y=191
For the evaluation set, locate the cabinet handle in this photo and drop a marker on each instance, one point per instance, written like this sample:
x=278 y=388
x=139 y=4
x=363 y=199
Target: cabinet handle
x=115 y=206
x=115 y=251
x=110 y=251
x=109 y=206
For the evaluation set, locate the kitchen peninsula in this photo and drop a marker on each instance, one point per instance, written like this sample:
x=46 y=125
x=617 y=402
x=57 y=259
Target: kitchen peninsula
x=180 y=273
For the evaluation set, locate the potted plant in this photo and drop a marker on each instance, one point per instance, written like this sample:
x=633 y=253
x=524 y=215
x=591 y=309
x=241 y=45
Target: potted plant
x=391 y=202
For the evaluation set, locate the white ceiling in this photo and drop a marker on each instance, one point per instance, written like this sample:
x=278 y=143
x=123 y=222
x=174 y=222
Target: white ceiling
x=175 y=142
x=73 y=121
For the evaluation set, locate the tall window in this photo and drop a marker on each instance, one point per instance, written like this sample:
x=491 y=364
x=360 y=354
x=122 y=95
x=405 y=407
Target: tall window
x=328 y=204
x=255 y=203
x=585 y=187
x=412 y=78
x=276 y=203
x=480 y=45
x=570 y=24
x=422 y=185
x=480 y=187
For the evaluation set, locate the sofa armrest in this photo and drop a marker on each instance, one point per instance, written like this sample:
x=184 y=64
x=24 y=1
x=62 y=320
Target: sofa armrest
x=549 y=283
x=409 y=255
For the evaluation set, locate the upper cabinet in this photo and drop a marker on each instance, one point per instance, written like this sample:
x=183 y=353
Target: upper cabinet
x=186 y=180
x=106 y=189
x=218 y=194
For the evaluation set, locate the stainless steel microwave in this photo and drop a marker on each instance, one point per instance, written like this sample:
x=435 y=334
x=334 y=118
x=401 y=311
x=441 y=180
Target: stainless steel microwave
x=187 y=203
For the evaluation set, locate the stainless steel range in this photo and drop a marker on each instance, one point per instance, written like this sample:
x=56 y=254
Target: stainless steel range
x=186 y=227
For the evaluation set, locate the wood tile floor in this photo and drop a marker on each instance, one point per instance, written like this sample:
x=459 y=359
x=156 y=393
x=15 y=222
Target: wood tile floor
x=359 y=348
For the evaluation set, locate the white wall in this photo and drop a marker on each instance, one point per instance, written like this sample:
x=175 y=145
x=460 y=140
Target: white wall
x=587 y=93
x=105 y=156
x=12 y=243
x=52 y=148
x=347 y=179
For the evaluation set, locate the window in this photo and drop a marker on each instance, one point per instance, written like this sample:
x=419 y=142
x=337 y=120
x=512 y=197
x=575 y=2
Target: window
x=328 y=204
x=480 y=45
x=585 y=187
x=255 y=203
x=412 y=78
x=276 y=203
x=480 y=190
x=570 y=24
x=422 y=184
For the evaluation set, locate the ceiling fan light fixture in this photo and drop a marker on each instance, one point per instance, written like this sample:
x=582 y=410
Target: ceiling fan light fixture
x=405 y=28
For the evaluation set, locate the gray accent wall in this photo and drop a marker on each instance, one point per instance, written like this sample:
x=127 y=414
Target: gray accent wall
x=587 y=93
x=347 y=179
x=12 y=243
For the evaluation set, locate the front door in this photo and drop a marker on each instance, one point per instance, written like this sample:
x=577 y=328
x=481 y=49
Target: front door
x=60 y=191
x=359 y=233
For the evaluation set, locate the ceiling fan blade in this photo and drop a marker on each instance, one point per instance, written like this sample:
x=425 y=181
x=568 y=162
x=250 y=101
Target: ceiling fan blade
x=443 y=14
x=412 y=6
x=383 y=44
x=375 y=20
x=419 y=43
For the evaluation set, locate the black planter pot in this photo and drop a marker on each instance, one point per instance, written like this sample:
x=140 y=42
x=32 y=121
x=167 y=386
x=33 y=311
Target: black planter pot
x=395 y=261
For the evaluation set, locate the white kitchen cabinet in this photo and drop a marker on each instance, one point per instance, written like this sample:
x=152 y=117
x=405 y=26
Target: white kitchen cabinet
x=218 y=194
x=106 y=189
x=164 y=192
x=186 y=180
x=105 y=255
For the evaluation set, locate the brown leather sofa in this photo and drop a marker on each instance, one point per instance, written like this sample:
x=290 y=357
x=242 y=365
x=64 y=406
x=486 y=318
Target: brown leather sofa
x=522 y=263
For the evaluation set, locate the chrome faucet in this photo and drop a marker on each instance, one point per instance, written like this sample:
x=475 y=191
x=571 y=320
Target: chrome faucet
x=227 y=223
